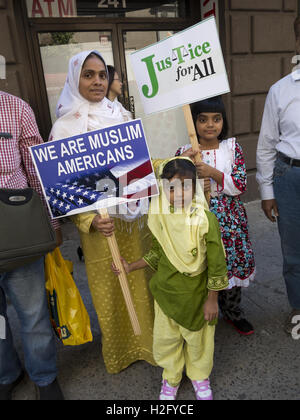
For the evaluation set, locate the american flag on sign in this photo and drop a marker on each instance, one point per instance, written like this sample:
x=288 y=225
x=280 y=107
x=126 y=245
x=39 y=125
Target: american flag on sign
x=120 y=184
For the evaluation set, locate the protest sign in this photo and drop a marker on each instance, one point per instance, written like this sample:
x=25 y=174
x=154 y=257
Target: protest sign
x=95 y=170
x=182 y=69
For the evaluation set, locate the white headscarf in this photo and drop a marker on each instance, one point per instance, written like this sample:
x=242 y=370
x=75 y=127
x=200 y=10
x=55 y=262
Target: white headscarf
x=76 y=114
x=127 y=115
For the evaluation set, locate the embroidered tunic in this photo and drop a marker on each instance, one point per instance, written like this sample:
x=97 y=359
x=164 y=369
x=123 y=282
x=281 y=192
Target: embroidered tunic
x=227 y=206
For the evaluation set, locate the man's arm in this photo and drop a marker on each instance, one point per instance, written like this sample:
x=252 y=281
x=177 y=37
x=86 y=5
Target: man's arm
x=266 y=155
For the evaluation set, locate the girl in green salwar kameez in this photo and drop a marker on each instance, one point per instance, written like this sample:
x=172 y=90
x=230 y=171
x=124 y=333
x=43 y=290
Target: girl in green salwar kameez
x=188 y=258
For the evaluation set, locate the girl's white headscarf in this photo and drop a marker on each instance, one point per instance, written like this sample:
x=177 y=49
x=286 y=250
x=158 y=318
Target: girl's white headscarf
x=76 y=114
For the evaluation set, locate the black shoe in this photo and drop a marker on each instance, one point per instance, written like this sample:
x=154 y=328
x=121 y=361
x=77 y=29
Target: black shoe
x=242 y=326
x=50 y=392
x=7 y=390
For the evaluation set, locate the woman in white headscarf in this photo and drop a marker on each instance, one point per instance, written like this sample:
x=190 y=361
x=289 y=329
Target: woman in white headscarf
x=83 y=107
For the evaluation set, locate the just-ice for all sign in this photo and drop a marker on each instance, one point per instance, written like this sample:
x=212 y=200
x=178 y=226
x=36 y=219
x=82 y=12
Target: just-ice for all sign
x=182 y=69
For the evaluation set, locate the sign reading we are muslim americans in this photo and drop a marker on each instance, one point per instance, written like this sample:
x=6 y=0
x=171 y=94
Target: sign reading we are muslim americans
x=98 y=169
x=182 y=69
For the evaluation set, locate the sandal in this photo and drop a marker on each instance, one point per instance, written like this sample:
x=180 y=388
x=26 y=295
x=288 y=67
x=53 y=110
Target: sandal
x=203 y=390
x=167 y=391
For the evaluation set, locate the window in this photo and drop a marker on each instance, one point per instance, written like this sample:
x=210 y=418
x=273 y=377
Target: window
x=56 y=50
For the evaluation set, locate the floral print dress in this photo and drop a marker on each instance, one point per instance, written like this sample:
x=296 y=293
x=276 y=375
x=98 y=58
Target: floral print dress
x=226 y=204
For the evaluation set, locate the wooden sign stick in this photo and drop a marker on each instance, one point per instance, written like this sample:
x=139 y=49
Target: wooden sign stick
x=114 y=249
x=193 y=138
x=192 y=134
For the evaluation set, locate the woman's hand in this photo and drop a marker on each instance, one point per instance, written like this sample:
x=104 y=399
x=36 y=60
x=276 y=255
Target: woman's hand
x=105 y=226
x=125 y=265
x=211 y=308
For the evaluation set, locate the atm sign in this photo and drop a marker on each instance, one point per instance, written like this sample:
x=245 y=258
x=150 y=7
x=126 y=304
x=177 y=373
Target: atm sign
x=51 y=8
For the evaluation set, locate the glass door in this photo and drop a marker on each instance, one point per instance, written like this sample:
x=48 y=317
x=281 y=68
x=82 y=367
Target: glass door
x=57 y=29
x=165 y=131
x=55 y=46
x=56 y=49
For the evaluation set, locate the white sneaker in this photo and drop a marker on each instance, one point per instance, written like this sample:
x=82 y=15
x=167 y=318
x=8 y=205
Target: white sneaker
x=167 y=391
x=203 y=390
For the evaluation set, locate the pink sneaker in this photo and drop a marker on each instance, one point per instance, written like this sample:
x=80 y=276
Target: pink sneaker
x=203 y=390
x=167 y=391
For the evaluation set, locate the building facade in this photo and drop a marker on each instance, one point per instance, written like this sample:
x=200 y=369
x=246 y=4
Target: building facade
x=39 y=36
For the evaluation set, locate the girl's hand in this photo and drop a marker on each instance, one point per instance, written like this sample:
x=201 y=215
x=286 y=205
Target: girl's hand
x=211 y=308
x=190 y=153
x=105 y=226
x=125 y=265
x=203 y=170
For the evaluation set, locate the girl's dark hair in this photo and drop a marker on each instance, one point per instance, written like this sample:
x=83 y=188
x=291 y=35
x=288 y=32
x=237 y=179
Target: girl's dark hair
x=111 y=76
x=181 y=167
x=214 y=105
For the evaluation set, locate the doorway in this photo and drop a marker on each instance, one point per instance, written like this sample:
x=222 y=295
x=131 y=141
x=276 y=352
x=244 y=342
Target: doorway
x=165 y=131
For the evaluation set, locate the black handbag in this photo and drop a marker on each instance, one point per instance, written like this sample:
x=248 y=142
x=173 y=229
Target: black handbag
x=26 y=233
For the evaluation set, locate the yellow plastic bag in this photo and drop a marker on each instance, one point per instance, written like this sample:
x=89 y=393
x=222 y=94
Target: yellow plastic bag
x=68 y=314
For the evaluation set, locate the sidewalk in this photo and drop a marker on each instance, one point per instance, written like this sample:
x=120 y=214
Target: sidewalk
x=264 y=366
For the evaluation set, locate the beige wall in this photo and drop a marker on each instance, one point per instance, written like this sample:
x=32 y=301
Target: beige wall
x=259 y=47
x=11 y=50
